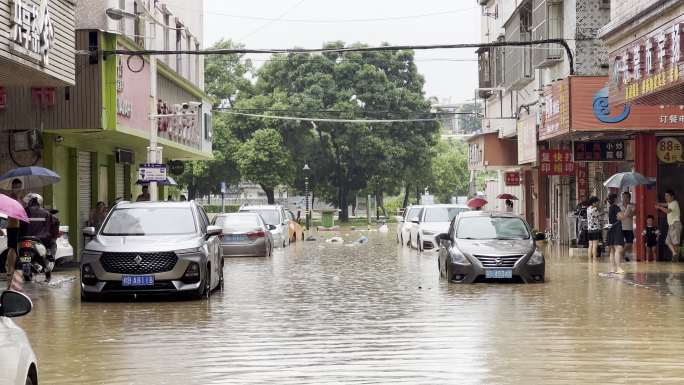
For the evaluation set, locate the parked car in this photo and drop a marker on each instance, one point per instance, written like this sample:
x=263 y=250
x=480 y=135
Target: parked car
x=490 y=246
x=432 y=220
x=273 y=215
x=64 y=252
x=295 y=229
x=404 y=224
x=17 y=361
x=245 y=235
x=152 y=247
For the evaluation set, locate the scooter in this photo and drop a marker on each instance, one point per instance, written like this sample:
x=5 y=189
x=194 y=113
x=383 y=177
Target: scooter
x=34 y=258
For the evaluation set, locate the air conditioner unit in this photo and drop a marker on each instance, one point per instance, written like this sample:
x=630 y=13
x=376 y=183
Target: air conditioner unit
x=124 y=156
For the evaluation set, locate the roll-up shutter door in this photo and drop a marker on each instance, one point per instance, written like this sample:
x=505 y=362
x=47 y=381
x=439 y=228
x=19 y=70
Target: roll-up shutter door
x=118 y=180
x=84 y=189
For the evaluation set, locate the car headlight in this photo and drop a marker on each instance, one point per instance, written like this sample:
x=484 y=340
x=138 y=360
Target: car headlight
x=536 y=259
x=193 y=250
x=428 y=232
x=459 y=258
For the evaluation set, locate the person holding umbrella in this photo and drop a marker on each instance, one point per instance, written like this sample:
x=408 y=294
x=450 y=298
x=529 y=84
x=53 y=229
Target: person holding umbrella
x=13 y=228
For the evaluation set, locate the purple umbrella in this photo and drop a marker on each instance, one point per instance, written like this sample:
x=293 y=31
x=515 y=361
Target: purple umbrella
x=12 y=208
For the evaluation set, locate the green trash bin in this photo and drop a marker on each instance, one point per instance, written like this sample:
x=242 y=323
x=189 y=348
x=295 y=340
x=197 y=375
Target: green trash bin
x=328 y=218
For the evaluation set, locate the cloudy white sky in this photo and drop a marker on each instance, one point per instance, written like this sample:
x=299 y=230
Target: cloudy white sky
x=309 y=23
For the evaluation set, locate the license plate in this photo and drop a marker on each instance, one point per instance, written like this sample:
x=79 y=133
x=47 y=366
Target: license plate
x=499 y=274
x=137 y=280
x=234 y=238
x=25 y=258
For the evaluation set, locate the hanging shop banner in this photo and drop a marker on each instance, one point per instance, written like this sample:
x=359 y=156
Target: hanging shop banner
x=512 y=178
x=648 y=69
x=556 y=112
x=582 y=180
x=600 y=151
x=669 y=150
x=527 y=138
x=556 y=162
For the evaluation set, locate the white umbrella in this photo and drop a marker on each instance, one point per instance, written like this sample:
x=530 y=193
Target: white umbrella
x=624 y=180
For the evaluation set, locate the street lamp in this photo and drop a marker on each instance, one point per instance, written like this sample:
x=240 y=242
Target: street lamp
x=117 y=14
x=306 y=193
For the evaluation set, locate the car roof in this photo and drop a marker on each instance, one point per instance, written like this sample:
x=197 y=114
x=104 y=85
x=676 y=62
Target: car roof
x=160 y=204
x=446 y=205
x=262 y=207
x=243 y=214
x=480 y=213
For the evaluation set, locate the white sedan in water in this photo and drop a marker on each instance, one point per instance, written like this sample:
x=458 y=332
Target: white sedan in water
x=404 y=224
x=17 y=360
x=432 y=221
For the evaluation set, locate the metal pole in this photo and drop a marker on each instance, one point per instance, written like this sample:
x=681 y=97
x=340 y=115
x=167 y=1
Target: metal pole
x=154 y=153
x=306 y=193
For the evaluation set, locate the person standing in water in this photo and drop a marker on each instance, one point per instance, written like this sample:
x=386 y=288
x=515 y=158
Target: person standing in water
x=616 y=239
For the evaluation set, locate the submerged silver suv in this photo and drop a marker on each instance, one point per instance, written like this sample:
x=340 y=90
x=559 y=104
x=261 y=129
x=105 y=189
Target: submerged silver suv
x=152 y=247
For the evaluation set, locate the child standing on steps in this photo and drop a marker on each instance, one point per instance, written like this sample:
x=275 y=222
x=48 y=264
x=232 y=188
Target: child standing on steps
x=651 y=235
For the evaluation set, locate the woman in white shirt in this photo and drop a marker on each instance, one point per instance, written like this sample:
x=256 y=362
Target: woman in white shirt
x=593 y=227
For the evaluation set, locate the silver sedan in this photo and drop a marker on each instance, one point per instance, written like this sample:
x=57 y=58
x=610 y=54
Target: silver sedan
x=245 y=235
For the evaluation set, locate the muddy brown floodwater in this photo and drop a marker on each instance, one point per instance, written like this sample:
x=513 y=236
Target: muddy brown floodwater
x=377 y=313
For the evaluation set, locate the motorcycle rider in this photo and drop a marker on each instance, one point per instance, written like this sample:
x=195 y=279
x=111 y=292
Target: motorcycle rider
x=40 y=226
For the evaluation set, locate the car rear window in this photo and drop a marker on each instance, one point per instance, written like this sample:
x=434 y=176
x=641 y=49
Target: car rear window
x=442 y=214
x=150 y=221
x=492 y=228
x=238 y=221
x=270 y=216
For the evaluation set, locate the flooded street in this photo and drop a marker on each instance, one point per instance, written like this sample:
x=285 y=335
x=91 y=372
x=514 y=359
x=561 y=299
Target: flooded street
x=322 y=313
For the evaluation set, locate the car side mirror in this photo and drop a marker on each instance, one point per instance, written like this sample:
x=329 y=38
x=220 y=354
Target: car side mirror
x=443 y=237
x=213 y=231
x=539 y=237
x=89 y=231
x=271 y=227
x=415 y=220
x=13 y=304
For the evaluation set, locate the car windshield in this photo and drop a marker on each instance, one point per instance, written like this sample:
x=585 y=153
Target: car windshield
x=442 y=214
x=412 y=213
x=238 y=222
x=492 y=228
x=270 y=216
x=150 y=221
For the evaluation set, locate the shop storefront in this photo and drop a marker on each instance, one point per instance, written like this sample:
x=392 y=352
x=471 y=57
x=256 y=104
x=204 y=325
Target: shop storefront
x=647 y=74
x=604 y=139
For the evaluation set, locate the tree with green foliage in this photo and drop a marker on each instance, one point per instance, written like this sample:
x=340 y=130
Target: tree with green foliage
x=345 y=158
x=263 y=160
x=227 y=76
x=450 y=170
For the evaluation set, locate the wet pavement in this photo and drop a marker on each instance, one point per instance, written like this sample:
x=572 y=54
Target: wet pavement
x=375 y=313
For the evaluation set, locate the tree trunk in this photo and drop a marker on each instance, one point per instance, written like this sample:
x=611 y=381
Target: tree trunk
x=344 y=204
x=270 y=194
x=380 y=198
x=406 y=195
x=417 y=195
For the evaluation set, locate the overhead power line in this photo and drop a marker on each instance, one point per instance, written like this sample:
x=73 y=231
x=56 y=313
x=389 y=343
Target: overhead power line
x=562 y=42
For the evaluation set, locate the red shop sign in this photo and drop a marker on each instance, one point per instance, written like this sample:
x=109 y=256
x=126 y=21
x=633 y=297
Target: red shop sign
x=512 y=178
x=556 y=162
x=582 y=180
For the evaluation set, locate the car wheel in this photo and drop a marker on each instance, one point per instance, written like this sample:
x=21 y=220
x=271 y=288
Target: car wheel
x=221 y=278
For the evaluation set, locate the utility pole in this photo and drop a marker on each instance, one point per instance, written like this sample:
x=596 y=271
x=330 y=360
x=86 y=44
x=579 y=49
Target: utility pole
x=154 y=153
